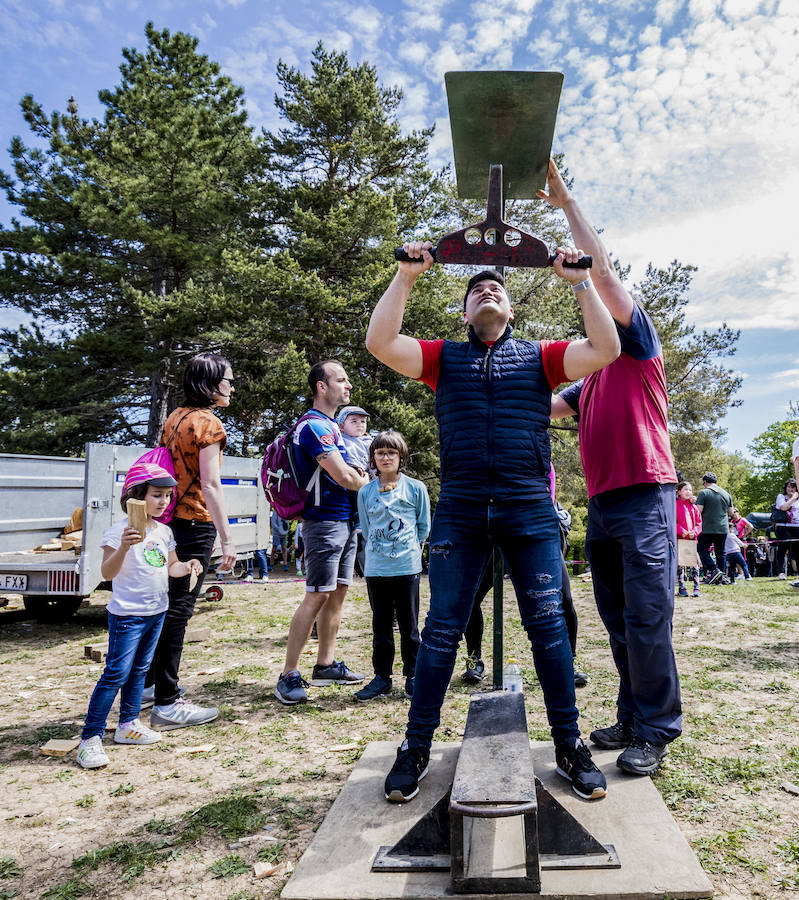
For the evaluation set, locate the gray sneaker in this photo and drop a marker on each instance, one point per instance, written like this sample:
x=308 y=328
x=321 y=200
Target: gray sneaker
x=182 y=714
x=148 y=695
x=291 y=688
x=335 y=673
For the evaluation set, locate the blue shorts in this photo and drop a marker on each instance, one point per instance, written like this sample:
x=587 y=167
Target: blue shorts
x=329 y=554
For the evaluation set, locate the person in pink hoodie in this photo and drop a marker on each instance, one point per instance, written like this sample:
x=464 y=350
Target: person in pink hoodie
x=689 y=524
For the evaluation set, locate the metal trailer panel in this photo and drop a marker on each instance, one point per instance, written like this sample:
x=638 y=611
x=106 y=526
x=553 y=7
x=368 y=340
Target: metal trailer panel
x=38 y=495
x=102 y=473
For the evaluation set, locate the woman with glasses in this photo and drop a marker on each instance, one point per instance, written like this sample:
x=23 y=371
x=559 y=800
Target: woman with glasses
x=196 y=438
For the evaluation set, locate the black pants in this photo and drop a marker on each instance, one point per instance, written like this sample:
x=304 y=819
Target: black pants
x=475 y=625
x=785 y=534
x=703 y=543
x=194 y=540
x=387 y=594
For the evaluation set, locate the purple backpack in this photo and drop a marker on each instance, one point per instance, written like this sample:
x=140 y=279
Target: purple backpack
x=279 y=476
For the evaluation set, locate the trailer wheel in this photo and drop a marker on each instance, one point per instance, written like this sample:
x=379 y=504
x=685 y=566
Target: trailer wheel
x=214 y=592
x=51 y=609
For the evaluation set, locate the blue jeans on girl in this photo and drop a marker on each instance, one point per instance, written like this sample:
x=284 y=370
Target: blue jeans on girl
x=131 y=644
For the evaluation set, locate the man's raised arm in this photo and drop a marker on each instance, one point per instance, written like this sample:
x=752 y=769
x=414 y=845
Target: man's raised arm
x=383 y=339
x=607 y=283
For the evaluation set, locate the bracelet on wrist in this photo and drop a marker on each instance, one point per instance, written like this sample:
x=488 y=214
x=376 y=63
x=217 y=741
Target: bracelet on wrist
x=581 y=286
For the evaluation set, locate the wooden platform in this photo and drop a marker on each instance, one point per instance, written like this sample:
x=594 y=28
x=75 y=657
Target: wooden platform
x=656 y=860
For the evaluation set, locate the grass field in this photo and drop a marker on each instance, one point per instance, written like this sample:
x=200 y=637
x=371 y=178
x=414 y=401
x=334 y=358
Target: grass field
x=161 y=823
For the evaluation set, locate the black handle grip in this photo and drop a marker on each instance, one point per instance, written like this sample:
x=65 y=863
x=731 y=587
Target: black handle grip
x=401 y=256
x=584 y=262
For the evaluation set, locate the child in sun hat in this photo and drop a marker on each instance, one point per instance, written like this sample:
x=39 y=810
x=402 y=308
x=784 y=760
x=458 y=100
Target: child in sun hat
x=137 y=566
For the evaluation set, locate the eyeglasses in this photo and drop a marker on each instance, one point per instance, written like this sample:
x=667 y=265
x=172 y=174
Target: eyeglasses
x=229 y=381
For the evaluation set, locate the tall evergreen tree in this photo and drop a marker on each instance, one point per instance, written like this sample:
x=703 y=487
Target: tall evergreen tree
x=120 y=249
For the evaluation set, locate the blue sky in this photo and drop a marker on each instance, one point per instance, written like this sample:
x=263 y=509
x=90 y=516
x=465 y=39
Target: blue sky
x=678 y=118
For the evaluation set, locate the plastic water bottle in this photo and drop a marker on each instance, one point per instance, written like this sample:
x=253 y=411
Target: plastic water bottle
x=512 y=677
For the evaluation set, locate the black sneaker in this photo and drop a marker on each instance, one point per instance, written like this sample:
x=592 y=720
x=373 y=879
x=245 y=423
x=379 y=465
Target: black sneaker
x=335 y=673
x=475 y=670
x=580 y=678
x=409 y=686
x=614 y=737
x=376 y=687
x=717 y=577
x=641 y=757
x=575 y=765
x=410 y=767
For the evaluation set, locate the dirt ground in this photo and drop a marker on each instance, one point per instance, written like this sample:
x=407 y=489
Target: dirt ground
x=159 y=822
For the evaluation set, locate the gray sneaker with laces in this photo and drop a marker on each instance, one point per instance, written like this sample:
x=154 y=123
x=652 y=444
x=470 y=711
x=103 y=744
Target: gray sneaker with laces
x=335 y=673
x=291 y=688
x=181 y=714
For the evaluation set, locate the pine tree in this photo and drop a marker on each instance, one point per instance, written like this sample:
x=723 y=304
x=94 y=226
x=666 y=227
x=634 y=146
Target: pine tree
x=120 y=249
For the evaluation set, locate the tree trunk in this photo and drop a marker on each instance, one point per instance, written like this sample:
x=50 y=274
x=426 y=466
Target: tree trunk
x=159 y=383
x=159 y=406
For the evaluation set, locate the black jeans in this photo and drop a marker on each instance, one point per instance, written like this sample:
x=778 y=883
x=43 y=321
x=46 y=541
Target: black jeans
x=703 y=544
x=194 y=540
x=387 y=594
x=785 y=533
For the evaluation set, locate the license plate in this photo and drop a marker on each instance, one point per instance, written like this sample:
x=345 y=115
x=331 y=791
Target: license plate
x=13 y=582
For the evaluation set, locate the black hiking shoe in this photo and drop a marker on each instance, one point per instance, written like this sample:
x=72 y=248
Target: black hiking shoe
x=376 y=688
x=641 y=757
x=575 y=765
x=410 y=767
x=475 y=670
x=614 y=737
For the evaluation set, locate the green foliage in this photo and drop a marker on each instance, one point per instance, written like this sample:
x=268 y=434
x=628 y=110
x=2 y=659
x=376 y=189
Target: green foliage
x=132 y=858
x=9 y=867
x=229 y=866
x=119 y=256
x=771 y=452
x=67 y=890
x=231 y=817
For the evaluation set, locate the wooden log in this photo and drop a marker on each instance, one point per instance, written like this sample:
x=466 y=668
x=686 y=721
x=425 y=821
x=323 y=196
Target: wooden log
x=137 y=516
x=55 y=747
x=76 y=522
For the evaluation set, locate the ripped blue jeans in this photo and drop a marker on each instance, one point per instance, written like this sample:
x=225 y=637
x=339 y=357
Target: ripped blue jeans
x=461 y=542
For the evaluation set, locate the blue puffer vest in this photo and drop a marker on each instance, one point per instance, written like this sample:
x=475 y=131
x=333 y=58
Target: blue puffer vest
x=492 y=409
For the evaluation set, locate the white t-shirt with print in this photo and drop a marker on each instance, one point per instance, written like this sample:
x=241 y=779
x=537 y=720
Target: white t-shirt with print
x=141 y=587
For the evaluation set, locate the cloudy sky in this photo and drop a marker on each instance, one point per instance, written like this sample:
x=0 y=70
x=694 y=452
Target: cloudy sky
x=679 y=119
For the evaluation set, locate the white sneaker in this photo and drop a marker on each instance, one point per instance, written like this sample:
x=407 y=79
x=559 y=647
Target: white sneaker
x=91 y=754
x=135 y=733
x=247 y=579
x=782 y=576
x=148 y=695
x=182 y=714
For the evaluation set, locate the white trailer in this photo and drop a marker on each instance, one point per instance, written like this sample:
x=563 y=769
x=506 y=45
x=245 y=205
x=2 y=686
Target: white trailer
x=38 y=495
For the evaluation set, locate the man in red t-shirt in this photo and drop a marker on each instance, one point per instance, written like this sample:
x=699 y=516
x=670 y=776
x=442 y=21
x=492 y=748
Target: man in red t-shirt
x=493 y=396
x=631 y=537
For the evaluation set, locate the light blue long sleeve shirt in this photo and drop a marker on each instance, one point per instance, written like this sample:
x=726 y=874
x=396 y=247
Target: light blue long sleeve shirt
x=394 y=523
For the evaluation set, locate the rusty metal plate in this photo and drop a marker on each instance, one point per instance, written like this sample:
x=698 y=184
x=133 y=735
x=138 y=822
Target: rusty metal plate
x=502 y=117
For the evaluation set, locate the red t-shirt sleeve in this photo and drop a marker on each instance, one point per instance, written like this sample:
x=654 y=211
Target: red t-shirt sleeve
x=552 y=353
x=431 y=362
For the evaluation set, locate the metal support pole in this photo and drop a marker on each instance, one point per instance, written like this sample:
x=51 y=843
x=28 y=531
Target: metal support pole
x=499 y=575
x=499 y=570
